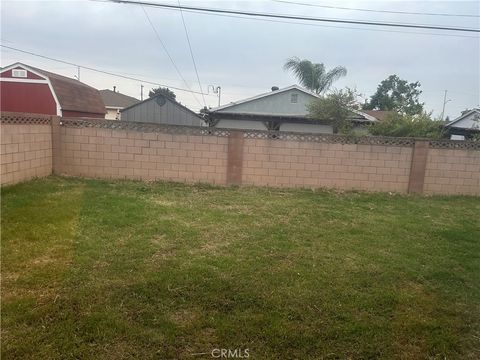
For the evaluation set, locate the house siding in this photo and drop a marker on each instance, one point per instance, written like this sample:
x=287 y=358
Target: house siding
x=112 y=114
x=277 y=104
x=169 y=113
x=33 y=98
x=241 y=124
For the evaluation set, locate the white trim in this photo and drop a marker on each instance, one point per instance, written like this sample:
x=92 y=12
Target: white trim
x=461 y=117
x=46 y=81
x=59 y=108
x=366 y=116
x=33 y=81
x=19 y=73
x=270 y=93
x=26 y=67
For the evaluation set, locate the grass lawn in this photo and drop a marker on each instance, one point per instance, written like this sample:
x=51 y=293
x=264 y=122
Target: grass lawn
x=112 y=270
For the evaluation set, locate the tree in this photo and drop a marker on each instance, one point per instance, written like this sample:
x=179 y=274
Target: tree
x=163 y=91
x=403 y=125
x=395 y=94
x=336 y=108
x=314 y=76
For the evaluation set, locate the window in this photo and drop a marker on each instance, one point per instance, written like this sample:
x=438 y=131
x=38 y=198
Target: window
x=19 y=73
x=294 y=98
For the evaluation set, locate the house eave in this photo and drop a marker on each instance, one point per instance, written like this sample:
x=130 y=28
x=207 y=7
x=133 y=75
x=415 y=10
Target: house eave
x=297 y=119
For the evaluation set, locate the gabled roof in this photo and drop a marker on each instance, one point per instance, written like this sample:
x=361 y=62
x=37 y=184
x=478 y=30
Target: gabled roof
x=167 y=99
x=269 y=93
x=463 y=116
x=378 y=114
x=117 y=100
x=72 y=94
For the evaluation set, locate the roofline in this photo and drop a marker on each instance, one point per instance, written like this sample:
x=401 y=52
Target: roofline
x=365 y=115
x=119 y=93
x=269 y=93
x=32 y=70
x=172 y=101
x=295 y=118
x=462 y=116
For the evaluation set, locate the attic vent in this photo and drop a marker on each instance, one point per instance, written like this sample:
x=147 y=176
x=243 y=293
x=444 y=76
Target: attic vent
x=294 y=98
x=160 y=100
x=19 y=73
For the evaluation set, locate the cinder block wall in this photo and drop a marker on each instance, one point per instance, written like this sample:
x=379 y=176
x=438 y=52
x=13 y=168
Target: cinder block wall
x=34 y=145
x=452 y=171
x=26 y=147
x=315 y=164
x=133 y=154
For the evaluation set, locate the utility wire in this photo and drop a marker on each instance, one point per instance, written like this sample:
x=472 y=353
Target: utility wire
x=100 y=71
x=168 y=54
x=296 y=17
x=325 y=26
x=191 y=54
x=376 y=11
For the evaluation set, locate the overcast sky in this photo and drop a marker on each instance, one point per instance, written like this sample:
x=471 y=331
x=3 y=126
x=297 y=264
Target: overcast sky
x=246 y=56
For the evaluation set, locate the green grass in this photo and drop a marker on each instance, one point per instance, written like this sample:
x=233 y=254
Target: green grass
x=112 y=270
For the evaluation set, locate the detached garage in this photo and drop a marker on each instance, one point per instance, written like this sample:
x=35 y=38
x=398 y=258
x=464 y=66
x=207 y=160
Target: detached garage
x=27 y=89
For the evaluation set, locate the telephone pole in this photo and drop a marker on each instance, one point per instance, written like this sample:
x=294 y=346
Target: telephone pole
x=216 y=90
x=445 y=101
x=141 y=92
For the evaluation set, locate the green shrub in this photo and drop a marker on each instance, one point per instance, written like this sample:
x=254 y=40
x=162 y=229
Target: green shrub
x=399 y=125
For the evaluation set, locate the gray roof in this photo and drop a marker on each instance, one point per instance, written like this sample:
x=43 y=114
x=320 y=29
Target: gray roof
x=173 y=102
x=464 y=115
x=117 y=100
x=266 y=94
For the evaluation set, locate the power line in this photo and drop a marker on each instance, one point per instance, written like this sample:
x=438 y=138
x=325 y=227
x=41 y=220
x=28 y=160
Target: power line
x=168 y=54
x=296 y=17
x=377 y=11
x=100 y=71
x=325 y=26
x=191 y=54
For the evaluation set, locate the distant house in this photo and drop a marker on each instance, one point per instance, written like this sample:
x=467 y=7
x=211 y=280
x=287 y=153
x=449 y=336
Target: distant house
x=464 y=126
x=114 y=102
x=161 y=110
x=27 y=89
x=379 y=114
x=280 y=109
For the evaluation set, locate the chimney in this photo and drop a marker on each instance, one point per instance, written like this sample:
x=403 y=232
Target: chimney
x=275 y=88
x=114 y=89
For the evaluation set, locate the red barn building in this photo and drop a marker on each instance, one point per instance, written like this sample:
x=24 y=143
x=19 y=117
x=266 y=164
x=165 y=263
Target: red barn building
x=27 y=89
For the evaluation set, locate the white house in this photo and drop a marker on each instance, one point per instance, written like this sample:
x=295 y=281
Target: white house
x=280 y=109
x=465 y=125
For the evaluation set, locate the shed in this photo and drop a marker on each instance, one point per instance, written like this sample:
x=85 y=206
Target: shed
x=28 y=89
x=161 y=110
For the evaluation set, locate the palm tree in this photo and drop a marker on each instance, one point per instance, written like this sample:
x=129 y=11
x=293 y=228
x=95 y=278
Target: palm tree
x=314 y=76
